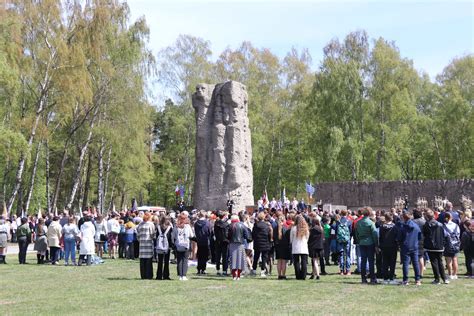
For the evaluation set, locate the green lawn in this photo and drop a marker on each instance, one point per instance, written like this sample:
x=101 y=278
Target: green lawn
x=115 y=288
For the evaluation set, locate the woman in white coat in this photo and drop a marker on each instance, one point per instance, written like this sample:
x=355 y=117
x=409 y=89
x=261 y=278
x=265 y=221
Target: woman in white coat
x=87 y=246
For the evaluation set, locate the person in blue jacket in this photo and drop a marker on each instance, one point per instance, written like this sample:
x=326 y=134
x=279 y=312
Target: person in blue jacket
x=408 y=238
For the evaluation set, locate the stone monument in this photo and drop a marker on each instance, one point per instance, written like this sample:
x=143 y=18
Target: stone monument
x=223 y=147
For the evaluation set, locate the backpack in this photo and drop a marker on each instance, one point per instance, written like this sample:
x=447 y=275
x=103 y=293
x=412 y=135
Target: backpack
x=452 y=241
x=182 y=239
x=343 y=234
x=162 y=245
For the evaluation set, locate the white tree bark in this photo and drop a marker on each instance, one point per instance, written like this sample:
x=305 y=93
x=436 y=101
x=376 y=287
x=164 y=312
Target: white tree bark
x=77 y=173
x=100 y=178
x=33 y=176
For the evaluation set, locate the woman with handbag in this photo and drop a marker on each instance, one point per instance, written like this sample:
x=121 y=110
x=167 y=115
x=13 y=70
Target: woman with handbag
x=100 y=235
x=452 y=248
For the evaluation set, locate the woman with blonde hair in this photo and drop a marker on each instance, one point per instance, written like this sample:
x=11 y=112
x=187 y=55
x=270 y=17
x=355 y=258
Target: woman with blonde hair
x=299 y=236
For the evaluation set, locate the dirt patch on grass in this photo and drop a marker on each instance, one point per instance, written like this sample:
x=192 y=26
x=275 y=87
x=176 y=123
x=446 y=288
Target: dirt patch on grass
x=6 y=302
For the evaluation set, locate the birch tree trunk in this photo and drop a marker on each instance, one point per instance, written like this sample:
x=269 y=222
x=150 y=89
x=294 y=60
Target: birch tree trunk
x=106 y=181
x=48 y=198
x=4 y=182
x=77 y=173
x=59 y=176
x=85 y=201
x=22 y=161
x=100 y=178
x=33 y=176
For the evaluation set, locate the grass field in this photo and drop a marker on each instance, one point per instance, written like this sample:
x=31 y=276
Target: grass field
x=115 y=288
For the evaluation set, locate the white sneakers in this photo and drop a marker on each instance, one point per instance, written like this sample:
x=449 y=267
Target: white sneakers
x=453 y=277
x=183 y=278
x=263 y=274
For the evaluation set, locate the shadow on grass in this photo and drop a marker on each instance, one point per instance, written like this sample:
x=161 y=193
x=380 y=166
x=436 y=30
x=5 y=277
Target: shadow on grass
x=359 y=283
x=124 y=279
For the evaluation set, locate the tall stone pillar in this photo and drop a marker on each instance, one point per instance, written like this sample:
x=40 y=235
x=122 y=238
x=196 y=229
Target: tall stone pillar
x=223 y=147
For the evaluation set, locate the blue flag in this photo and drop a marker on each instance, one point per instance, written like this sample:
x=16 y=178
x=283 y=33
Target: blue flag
x=310 y=189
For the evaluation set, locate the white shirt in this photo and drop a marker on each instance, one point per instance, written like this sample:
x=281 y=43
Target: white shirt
x=298 y=245
x=113 y=226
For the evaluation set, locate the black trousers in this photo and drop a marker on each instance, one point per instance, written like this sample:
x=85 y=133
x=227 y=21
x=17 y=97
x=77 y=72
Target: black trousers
x=322 y=264
x=327 y=243
x=23 y=247
x=163 y=270
x=378 y=265
x=468 y=256
x=256 y=256
x=121 y=249
x=182 y=262
x=300 y=262
x=389 y=260
x=86 y=258
x=202 y=256
x=212 y=249
x=146 y=268
x=221 y=253
x=136 y=249
x=436 y=259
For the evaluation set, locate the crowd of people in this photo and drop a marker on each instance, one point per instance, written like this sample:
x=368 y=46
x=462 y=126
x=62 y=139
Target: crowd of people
x=243 y=243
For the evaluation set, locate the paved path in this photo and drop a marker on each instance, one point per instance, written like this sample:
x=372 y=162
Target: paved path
x=13 y=248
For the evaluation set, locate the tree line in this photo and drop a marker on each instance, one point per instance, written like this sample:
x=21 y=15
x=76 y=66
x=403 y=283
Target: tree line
x=75 y=121
x=364 y=114
x=78 y=126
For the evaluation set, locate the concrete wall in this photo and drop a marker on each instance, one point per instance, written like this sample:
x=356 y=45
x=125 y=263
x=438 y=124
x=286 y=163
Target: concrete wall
x=382 y=194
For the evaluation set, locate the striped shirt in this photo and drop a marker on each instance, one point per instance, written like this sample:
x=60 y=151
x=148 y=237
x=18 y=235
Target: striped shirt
x=146 y=233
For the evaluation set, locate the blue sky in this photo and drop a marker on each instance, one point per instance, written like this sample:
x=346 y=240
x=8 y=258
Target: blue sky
x=431 y=33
